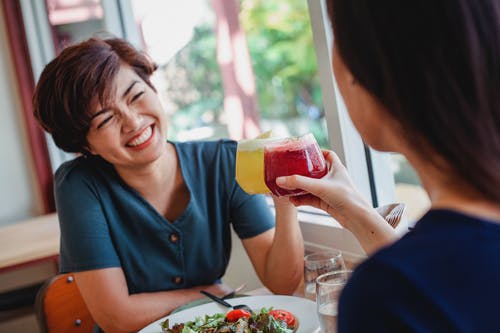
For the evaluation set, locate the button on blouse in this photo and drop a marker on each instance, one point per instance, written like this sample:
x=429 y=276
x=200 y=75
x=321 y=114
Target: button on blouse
x=174 y=238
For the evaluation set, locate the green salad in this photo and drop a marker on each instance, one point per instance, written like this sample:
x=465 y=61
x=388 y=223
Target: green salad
x=266 y=320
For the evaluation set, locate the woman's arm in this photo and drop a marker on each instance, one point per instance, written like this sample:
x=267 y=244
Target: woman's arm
x=336 y=195
x=278 y=254
x=106 y=294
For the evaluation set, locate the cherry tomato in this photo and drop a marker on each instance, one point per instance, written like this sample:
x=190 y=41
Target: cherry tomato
x=234 y=315
x=285 y=316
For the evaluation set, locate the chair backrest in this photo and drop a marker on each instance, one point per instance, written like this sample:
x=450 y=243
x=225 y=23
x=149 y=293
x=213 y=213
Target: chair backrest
x=60 y=308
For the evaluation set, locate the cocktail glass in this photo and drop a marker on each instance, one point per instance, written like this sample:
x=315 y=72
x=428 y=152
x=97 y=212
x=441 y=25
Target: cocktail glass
x=292 y=156
x=250 y=165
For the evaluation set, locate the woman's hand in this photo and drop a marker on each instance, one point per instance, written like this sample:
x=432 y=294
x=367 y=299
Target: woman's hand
x=335 y=194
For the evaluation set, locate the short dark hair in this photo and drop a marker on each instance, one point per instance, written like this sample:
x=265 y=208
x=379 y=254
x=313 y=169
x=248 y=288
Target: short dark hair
x=435 y=66
x=70 y=83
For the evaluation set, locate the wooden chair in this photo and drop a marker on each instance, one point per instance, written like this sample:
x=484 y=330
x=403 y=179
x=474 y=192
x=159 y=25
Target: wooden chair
x=60 y=308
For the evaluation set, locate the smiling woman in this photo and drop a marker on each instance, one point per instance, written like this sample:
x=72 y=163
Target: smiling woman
x=145 y=222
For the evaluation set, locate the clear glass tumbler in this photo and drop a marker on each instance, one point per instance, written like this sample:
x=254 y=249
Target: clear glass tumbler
x=319 y=263
x=328 y=289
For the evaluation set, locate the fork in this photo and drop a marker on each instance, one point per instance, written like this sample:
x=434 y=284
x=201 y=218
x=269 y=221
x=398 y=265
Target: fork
x=226 y=304
x=392 y=213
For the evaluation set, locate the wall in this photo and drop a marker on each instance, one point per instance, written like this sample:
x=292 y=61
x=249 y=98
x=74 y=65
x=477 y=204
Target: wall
x=17 y=198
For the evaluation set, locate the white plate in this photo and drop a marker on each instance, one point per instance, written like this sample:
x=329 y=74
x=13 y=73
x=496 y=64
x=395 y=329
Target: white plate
x=303 y=309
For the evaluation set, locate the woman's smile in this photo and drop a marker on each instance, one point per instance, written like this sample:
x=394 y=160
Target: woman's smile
x=142 y=140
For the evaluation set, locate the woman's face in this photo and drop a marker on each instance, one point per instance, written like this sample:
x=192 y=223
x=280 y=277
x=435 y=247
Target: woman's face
x=131 y=132
x=373 y=123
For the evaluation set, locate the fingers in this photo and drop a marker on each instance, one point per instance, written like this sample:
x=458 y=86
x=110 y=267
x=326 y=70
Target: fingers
x=294 y=182
x=333 y=161
x=305 y=200
x=318 y=189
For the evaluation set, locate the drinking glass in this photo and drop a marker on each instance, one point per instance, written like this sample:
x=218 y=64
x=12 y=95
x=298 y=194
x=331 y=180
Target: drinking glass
x=328 y=289
x=250 y=165
x=260 y=161
x=319 y=263
x=292 y=156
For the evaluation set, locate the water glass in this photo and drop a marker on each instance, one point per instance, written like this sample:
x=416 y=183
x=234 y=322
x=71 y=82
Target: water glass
x=328 y=289
x=319 y=263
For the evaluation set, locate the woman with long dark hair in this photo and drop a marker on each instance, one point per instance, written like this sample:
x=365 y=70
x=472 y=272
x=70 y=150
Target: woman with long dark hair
x=421 y=78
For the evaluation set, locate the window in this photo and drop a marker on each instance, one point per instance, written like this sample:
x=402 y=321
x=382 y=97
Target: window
x=234 y=71
x=408 y=188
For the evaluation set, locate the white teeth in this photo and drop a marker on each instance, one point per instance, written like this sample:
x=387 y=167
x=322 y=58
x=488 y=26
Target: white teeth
x=142 y=138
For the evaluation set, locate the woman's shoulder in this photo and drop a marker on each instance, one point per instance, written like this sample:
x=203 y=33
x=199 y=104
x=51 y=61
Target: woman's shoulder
x=79 y=169
x=207 y=150
x=206 y=145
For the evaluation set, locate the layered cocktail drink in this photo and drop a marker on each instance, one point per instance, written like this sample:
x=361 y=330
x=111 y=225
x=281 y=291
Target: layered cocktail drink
x=260 y=161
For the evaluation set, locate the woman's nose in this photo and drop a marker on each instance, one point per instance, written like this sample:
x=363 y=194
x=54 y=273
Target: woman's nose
x=130 y=120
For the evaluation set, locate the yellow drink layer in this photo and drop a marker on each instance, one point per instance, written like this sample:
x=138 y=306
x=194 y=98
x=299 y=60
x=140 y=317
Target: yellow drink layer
x=250 y=163
x=250 y=171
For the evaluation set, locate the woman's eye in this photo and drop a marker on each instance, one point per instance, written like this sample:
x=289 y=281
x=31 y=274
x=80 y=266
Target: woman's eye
x=136 y=96
x=105 y=121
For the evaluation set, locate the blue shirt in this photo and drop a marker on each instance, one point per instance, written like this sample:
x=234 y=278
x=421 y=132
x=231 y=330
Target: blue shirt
x=443 y=276
x=106 y=223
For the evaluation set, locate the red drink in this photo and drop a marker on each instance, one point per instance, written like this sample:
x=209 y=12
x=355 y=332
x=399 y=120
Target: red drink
x=296 y=156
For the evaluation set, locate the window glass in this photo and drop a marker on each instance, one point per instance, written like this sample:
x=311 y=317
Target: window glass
x=408 y=187
x=73 y=21
x=234 y=68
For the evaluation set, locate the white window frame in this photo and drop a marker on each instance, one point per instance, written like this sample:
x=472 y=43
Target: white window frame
x=375 y=183
x=41 y=51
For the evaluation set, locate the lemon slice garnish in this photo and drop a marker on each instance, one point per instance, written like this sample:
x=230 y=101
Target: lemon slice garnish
x=265 y=135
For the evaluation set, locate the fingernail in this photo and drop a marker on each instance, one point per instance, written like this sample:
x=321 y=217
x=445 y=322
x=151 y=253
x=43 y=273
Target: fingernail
x=280 y=180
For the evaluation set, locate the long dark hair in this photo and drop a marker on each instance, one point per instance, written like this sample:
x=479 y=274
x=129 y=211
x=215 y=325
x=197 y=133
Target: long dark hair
x=435 y=66
x=72 y=81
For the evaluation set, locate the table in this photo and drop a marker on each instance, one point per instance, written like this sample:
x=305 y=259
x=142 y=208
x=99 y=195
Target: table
x=29 y=242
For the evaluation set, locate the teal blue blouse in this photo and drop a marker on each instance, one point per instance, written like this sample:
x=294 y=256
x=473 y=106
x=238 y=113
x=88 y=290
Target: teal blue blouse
x=105 y=223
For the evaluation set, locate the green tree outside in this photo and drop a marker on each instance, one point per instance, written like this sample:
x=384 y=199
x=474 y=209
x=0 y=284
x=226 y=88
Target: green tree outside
x=284 y=62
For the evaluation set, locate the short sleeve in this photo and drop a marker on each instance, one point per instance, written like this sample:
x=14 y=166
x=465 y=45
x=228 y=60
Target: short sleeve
x=250 y=214
x=85 y=238
x=252 y=217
